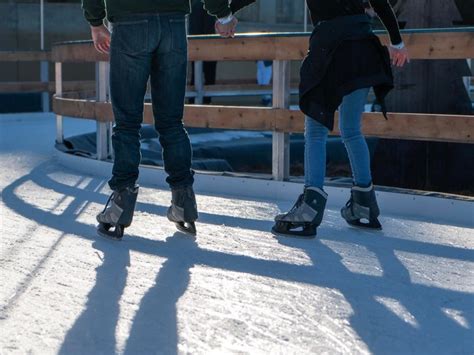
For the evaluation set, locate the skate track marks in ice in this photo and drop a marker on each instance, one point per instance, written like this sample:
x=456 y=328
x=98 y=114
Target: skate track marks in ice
x=235 y=288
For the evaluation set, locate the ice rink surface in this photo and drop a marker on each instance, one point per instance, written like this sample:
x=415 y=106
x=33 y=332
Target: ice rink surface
x=235 y=288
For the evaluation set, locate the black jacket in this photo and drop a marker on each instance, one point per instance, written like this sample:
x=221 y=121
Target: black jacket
x=344 y=55
x=237 y=5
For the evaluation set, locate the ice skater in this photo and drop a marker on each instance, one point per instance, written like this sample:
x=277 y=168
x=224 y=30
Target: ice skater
x=149 y=41
x=344 y=61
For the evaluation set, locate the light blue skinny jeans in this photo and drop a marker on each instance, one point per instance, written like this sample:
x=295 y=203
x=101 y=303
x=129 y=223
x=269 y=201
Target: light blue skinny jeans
x=350 y=113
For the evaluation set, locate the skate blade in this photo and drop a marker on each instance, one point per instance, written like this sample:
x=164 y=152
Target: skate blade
x=188 y=228
x=105 y=232
x=371 y=225
x=304 y=234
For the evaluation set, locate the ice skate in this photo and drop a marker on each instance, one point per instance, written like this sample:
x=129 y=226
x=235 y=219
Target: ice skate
x=183 y=209
x=362 y=209
x=118 y=213
x=305 y=216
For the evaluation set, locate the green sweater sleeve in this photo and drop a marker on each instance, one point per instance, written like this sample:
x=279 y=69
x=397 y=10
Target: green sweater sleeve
x=94 y=11
x=218 y=8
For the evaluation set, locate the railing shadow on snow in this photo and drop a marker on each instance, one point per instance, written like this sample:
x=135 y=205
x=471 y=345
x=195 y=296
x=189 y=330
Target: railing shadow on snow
x=154 y=327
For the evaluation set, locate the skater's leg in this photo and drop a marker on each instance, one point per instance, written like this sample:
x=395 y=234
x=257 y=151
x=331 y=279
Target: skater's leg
x=350 y=114
x=118 y=213
x=183 y=209
x=307 y=213
x=315 y=153
x=168 y=85
x=362 y=209
x=130 y=64
x=305 y=216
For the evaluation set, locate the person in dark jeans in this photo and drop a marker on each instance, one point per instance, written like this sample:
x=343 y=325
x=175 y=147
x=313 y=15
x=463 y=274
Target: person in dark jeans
x=201 y=23
x=149 y=41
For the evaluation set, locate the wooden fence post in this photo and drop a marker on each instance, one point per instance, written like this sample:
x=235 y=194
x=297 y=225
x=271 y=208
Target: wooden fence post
x=58 y=74
x=281 y=141
x=103 y=129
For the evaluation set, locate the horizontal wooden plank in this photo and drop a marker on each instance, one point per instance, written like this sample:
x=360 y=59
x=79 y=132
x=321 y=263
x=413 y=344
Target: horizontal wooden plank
x=36 y=86
x=424 y=45
x=87 y=85
x=441 y=128
x=456 y=45
x=24 y=56
x=78 y=52
x=233 y=87
x=230 y=117
x=436 y=45
x=23 y=86
x=408 y=126
x=84 y=109
x=248 y=48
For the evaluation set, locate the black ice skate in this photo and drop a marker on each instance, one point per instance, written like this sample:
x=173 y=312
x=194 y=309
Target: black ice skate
x=183 y=209
x=362 y=209
x=305 y=216
x=117 y=213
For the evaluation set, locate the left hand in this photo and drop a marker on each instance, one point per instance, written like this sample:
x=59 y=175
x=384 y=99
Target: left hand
x=227 y=30
x=399 y=56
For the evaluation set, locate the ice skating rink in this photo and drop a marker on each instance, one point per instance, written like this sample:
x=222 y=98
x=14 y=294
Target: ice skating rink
x=235 y=288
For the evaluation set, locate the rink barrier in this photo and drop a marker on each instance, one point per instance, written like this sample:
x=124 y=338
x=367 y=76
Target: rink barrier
x=394 y=202
x=230 y=88
x=281 y=48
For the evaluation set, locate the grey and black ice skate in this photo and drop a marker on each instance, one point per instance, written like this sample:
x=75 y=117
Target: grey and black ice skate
x=117 y=213
x=183 y=210
x=362 y=209
x=305 y=216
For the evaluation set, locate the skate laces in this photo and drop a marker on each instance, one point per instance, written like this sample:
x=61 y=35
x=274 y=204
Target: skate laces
x=350 y=204
x=297 y=204
x=111 y=197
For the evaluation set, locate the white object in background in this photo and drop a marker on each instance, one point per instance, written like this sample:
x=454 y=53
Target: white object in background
x=264 y=73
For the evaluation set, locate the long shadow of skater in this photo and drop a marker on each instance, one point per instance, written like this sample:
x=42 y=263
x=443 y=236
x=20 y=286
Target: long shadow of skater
x=94 y=330
x=155 y=325
x=414 y=325
x=156 y=320
x=441 y=334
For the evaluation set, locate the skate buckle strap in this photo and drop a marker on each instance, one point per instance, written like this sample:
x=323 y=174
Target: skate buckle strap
x=297 y=204
x=111 y=197
x=363 y=189
x=319 y=191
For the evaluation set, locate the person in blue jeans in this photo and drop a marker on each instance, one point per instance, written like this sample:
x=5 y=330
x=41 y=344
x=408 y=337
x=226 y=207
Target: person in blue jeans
x=316 y=134
x=149 y=42
x=344 y=61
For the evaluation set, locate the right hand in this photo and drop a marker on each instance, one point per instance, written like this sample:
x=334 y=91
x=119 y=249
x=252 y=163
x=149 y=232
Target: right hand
x=227 y=30
x=101 y=38
x=399 y=56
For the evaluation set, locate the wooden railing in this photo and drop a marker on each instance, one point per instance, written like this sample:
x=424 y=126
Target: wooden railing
x=228 y=88
x=43 y=58
x=281 y=49
x=44 y=86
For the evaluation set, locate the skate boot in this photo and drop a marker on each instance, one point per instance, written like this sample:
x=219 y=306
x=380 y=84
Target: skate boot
x=305 y=216
x=117 y=213
x=183 y=209
x=362 y=207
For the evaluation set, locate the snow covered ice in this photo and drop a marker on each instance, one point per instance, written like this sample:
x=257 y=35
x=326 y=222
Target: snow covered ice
x=235 y=288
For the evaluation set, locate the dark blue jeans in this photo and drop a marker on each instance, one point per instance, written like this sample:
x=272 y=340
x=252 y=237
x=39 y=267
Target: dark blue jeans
x=149 y=46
